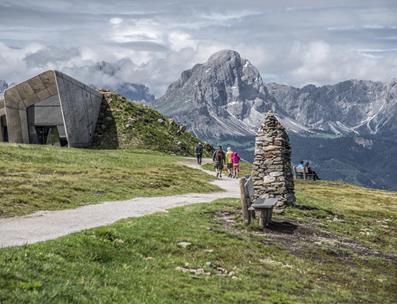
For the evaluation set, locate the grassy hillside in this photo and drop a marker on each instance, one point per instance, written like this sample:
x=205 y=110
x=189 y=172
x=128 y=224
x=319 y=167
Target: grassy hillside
x=339 y=245
x=127 y=124
x=36 y=177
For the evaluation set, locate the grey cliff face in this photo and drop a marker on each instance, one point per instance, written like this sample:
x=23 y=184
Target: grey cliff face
x=213 y=98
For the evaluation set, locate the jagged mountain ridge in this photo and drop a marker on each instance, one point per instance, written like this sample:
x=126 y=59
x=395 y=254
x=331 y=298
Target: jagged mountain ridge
x=229 y=97
x=225 y=99
x=353 y=106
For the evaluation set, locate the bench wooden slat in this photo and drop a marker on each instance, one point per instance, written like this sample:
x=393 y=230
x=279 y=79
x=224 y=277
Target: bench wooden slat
x=264 y=203
x=249 y=187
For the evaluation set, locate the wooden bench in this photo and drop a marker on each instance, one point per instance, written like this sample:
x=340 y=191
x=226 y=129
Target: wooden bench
x=249 y=205
x=303 y=173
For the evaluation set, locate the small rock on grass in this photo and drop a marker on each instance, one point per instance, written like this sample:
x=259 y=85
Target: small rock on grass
x=184 y=244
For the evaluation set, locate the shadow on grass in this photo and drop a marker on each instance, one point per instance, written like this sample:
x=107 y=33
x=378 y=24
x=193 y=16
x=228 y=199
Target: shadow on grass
x=282 y=227
x=305 y=207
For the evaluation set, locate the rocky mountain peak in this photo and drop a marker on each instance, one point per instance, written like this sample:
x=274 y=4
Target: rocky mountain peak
x=3 y=86
x=217 y=94
x=221 y=57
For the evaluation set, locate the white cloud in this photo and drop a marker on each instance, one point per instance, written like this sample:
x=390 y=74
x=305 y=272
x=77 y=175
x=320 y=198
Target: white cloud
x=322 y=63
x=115 y=21
x=153 y=43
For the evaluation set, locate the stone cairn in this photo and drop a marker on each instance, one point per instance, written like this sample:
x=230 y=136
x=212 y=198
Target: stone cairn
x=272 y=172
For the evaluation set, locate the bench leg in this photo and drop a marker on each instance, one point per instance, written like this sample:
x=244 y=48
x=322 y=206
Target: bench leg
x=269 y=216
x=263 y=221
x=266 y=218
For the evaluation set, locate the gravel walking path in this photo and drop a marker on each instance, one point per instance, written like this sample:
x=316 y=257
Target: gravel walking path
x=46 y=225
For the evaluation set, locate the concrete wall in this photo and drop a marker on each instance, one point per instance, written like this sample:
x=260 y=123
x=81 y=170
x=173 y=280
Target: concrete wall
x=80 y=107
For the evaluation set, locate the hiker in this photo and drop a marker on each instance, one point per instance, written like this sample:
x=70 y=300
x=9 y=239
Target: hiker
x=311 y=172
x=236 y=164
x=219 y=159
x=229 y=163
x=199 y=153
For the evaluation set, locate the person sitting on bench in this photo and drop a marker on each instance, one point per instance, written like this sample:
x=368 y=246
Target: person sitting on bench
x=310 y=172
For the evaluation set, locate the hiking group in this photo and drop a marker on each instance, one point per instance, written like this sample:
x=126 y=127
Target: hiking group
x=229 y=161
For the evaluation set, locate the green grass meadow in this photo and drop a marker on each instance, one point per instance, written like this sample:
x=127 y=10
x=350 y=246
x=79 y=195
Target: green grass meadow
x=36 y=177
x=338 y=245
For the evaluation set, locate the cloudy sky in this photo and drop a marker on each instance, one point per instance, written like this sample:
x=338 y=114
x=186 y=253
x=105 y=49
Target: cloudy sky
x=153 y=41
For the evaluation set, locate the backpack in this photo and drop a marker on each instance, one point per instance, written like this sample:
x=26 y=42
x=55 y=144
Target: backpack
x=199 y=149
x=219 y=155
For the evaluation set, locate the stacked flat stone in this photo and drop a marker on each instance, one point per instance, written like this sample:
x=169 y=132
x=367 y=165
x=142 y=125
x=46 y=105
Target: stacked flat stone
x=272 y=173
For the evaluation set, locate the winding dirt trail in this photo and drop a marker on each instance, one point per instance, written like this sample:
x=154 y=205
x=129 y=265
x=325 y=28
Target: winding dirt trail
x=45 y=225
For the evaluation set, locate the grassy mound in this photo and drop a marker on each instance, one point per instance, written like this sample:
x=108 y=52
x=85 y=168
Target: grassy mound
x=127 y=124
x=337 y=246
x=34 y=177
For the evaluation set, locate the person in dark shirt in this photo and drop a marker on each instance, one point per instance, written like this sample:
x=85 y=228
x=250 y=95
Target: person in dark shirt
x=199 y=153
x=219 y=158
x=311 y=172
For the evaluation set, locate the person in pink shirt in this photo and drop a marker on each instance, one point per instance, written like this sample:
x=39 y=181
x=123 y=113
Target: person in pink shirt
x=236 y=164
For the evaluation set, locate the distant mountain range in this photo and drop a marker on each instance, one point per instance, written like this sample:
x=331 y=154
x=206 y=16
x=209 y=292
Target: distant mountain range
x=133 y=91
x=347 y=130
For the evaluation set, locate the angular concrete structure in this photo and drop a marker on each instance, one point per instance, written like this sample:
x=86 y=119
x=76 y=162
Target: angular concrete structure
x=50 y=108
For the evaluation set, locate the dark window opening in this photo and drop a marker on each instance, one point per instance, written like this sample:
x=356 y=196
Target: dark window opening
x=48 y=135
x=63 y=142
x=5 y=134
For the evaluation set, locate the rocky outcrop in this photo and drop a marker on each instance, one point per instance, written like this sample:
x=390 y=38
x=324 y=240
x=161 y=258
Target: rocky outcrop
x=272 y=174
x=3 y=86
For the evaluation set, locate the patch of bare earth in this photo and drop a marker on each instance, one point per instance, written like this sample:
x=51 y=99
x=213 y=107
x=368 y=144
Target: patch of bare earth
x=296 y=237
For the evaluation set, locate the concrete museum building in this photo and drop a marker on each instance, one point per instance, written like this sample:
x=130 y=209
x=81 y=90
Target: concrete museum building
x=50 y=108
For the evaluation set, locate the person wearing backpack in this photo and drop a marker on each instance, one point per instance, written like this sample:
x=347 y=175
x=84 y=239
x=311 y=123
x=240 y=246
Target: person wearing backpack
x=219 y=159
